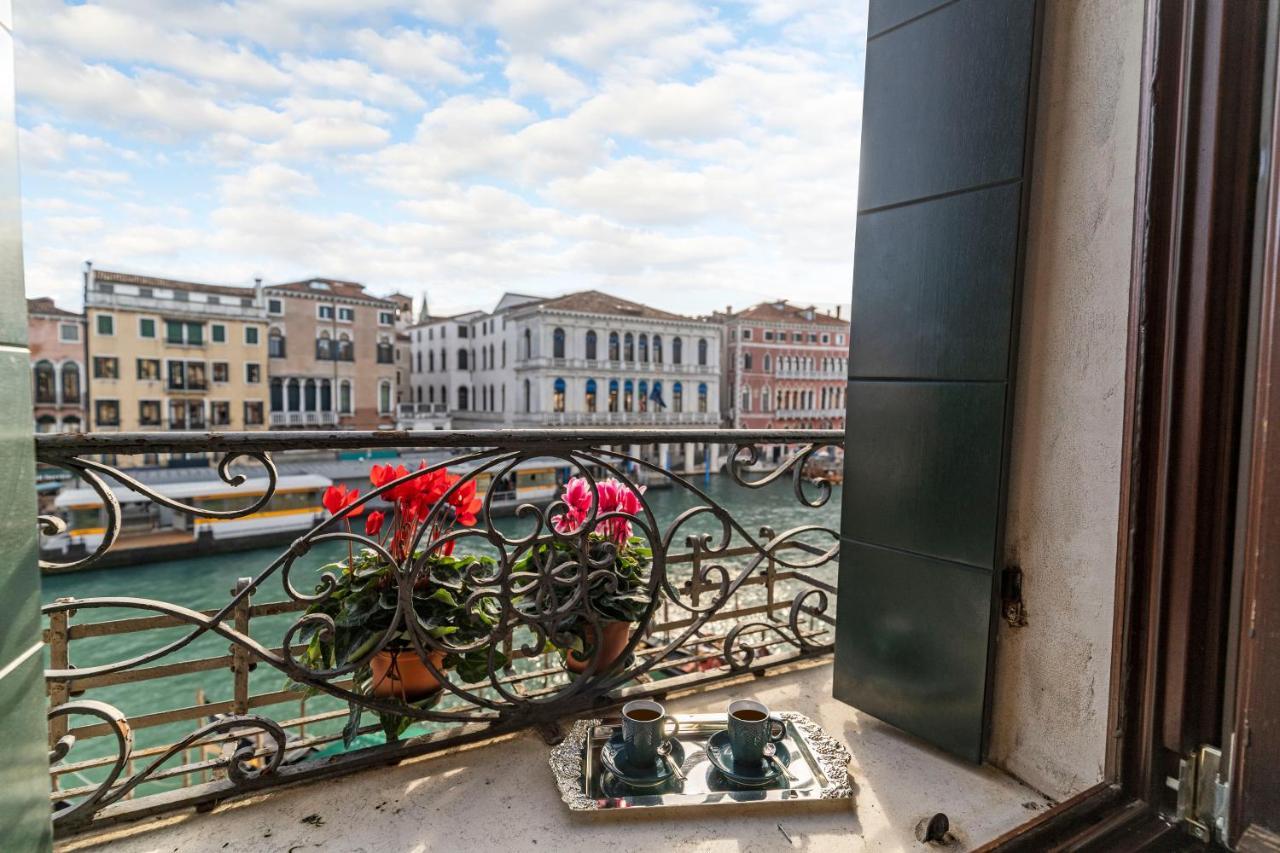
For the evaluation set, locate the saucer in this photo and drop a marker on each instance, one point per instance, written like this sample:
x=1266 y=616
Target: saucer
x=720 y=754
x=613 y=755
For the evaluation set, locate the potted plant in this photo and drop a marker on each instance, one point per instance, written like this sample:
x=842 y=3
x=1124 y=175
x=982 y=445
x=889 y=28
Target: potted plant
x=362 y=604
x=618 y=598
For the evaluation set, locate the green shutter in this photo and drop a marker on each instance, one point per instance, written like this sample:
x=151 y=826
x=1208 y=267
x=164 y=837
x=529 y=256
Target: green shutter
x=937 y=272
x=219 y=333
x=195 y=333
x=173 y=331
x=106 y=324
x=147 y=327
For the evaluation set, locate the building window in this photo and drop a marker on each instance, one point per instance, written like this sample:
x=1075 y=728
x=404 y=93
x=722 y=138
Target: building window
x=213 y=300
x=702 y=352
x=677 y=351
x=767 y=361
x=628 y=396
x=344 y=397
x=275 y=344
x=71 y=423
x=657 y=349
x=309 y=395
x=462 y=398
x=251 y=335
x=642 y=401
x=677 y=397
x=221 y=372
x=591 y=345
x=557 y=343
x=69 y=332
x=528 y=396
x=613 y=395
x=277 y=395
x=386 y=353
x=386 y=318
x=148 y=413
x=324 y=312
x=462 y=358
x=629 y=347
x=146 y=327
x=746 y=334
x=746 y=399
x=346 y=315
x=106 y=412
x=840 y=339
x=346 y=350
x=104 y=286
x=179 y=333
x=644 y=348
x=324 y=347
x=218 y=333
x=70 y=382
x=275 y=306
x=253 y=413
x=45 y=382
x=656 y=396
x=186 y=414
x=46 y=423
x=252 y=372
x=615 y=353
x=702 y=397
x=219 y=413
x=591 y=395
x=826 y=339
x=149 y=369
x=107 y=326
x=106 y=367
x=768 y=336
x=557 y=396
x=746 y=361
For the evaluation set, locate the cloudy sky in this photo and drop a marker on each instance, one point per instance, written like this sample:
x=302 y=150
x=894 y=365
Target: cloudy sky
x=687 y=154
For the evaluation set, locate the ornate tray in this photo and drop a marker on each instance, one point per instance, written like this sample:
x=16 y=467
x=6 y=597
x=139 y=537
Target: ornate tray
x=819 y=763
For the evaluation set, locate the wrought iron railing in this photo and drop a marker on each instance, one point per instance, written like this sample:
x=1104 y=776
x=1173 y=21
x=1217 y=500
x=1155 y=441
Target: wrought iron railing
x=710 y=599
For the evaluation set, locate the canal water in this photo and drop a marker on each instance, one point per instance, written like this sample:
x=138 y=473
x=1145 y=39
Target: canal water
x=205 y=582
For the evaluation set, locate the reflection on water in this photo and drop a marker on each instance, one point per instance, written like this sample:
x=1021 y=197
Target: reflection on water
x=205 y=582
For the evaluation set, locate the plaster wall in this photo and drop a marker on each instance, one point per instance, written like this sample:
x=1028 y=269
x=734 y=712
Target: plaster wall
x=1052 y=676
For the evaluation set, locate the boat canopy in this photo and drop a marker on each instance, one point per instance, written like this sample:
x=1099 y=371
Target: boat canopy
x=254 y=486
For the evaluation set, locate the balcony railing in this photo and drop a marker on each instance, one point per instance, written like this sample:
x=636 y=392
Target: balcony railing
x=303 y=419
x=421 y=410
x=612 y=365
x=714 y=598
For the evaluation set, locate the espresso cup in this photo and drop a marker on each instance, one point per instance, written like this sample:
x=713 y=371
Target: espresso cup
x=751 y=726
x=644 y=724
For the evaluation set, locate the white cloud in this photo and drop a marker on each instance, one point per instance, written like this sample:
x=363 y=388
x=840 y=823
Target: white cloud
x=425 y=57
x=530 y=74
x=350 y=78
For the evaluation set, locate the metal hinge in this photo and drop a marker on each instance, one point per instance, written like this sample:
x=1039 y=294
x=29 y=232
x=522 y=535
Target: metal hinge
x=1203 y=791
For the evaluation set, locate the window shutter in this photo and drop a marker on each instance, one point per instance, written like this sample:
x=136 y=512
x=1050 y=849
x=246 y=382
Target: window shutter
x=938 y=265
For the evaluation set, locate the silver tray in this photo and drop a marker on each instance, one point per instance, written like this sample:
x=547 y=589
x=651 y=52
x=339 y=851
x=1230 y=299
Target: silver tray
x=819 y=763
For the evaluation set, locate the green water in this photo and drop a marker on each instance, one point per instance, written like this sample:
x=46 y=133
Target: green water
x=205 y=582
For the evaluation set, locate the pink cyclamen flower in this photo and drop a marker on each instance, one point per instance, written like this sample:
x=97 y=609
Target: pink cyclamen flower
x=612 y=496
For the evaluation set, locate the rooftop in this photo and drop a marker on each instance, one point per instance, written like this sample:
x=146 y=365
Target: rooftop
x=598 y=302
x=782 y=311
x=44 y=305
x=111 y=277
x=334 y=287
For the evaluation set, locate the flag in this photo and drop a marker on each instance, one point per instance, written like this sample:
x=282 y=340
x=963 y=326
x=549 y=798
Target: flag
x=656 y=396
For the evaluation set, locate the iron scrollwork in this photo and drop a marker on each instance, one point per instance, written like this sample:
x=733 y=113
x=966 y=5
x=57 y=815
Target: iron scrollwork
x=542 y=582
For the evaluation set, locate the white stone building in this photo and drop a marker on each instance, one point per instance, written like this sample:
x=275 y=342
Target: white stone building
x=585 y=359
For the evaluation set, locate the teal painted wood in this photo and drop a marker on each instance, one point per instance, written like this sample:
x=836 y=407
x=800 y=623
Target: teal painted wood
x=949 y=101
x=24 y=771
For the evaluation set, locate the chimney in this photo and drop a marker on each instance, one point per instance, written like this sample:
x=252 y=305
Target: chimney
x=838 y=307
x=728 y=309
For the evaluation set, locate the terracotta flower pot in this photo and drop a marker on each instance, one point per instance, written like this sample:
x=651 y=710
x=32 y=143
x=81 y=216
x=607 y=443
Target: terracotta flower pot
x=607 y=653
x=402 y=675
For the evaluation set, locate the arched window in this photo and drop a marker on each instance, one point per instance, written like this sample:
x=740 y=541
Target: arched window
x=746 y=361
x=47 y=423
x=277 y=395
x=385 y=352
x=614 y=353
x=384 y=398
x=431 y=393
x=326 y=395
x=45 y=382
x=629 y=347
x=71 y=423
x=309 y=395
x=557 y=396
x=462 y=398
x=462 y=358
x=702 y=352
x=528 y=344
x=591 y=395
x=677 y=396
x=431 y=361
x=528 y=396
x=275 y=343
x=504 y=353
x=644 y=348
x=677 y=351
x=444 y=395
x=295 y=396
x=70 y=383
x=702 y=397
x=766 y=362
x=557 y=343
x=613 y=395
x=628 y=396
x=643 y=398
x=746 y=399
x=344 y=397
x=591 y=345
x=324 y=347
x=346 y=349
x=657 y=349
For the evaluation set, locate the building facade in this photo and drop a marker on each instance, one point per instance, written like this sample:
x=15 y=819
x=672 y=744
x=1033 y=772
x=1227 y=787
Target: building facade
x=583 y=359
x=786 y=366
x=176 y=355
x=332 y=353
x=57 y=341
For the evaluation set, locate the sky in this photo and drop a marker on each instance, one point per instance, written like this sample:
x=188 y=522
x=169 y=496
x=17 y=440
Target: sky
x=688 y=155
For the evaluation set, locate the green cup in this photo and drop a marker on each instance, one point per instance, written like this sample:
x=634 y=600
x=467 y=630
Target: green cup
x=751 y=726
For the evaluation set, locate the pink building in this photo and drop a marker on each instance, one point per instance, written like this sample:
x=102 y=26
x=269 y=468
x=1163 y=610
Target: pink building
x=785 y=366
x=57 y=366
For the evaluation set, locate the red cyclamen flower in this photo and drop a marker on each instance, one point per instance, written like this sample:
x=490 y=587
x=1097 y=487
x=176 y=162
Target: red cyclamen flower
x=337 y=498
x=373 y=524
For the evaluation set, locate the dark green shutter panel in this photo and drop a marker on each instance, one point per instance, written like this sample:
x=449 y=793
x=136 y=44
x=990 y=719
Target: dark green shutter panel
x=937 y=273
